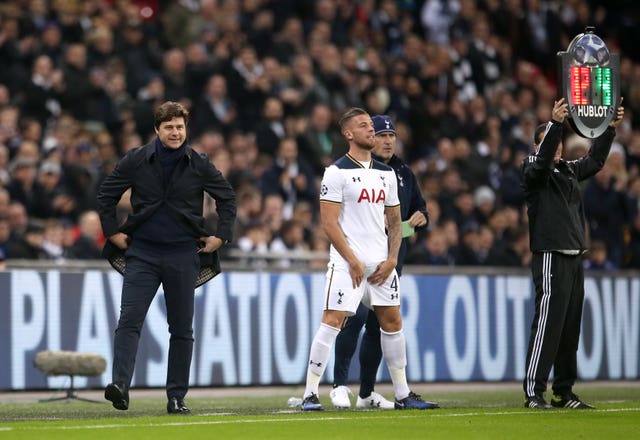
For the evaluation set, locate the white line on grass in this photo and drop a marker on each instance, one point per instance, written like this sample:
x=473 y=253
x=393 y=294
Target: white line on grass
x=296 y=419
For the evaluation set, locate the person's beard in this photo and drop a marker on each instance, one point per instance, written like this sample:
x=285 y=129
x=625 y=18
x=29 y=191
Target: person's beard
x=365 y=144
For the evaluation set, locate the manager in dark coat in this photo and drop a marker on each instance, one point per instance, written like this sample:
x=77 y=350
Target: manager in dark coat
x=557 y=239
x=165 y=241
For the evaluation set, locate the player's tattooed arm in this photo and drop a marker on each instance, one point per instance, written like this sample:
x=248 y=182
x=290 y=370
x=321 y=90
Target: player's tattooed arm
x=394 y=232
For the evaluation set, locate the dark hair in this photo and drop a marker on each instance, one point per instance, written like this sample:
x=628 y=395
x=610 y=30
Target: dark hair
x=537 y=134
x=350 y=114
x=169 y=110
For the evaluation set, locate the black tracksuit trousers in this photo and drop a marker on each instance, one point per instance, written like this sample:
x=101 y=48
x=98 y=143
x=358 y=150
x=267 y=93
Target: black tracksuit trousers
x=555 y=330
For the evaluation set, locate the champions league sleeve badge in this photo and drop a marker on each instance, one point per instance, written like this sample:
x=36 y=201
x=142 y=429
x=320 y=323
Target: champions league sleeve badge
x=589 y=78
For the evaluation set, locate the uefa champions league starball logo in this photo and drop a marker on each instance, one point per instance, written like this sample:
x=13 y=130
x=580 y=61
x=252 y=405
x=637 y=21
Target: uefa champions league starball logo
x=589 y=80
x=589 y=50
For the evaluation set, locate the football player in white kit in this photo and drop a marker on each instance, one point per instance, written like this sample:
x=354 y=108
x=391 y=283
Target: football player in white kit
x=356 y=194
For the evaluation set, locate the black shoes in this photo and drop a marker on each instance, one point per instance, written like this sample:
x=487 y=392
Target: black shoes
x=177 y=406
x=118 y=394
x=570 y=401
x=311 y=403
x=414 y=401
x=536 y=402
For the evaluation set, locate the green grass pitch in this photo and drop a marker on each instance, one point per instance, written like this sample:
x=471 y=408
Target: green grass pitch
x=492 y=411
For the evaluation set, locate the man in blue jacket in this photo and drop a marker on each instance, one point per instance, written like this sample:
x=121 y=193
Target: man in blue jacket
x=164 y=241
x=414 y=214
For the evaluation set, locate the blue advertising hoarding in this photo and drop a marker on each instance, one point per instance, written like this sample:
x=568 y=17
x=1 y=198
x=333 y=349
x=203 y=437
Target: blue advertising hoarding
x=255 y=328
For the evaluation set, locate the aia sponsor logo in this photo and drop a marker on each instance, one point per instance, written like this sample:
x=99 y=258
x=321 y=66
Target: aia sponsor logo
x=372 y=196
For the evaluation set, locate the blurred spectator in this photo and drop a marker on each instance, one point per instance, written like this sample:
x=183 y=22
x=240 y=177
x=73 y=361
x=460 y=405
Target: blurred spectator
x=50 y=199
x=271 y=130
x=5 y=234
x=466 y=253
x=4 y=165
x=464 y=211
x=138 y=55
x=222 y=160
x=198 y=69
x=5 y=200
x=289 y=41
x=387 y=21
x=515 y=252
x=485 y=58
x=31 y=131
x=463 y=73
x=209 y=142
x=244 y=156
x=310 y=91
x=101 y=110
x=484 y=200
x=149 y=96
x=596 y=257
x=247 y=87
x=510 y=182
x=541 y=31
x=214 y=109
x=174 y=76
x=606 y=210
x=486 y=245
x=249 y=209
x=290 y=177
x=436 y=17
x=433 y=251
x=304 y=213
x=9 y=134
x=88 y=244
x=50 y=43
x=321 y=143
x=632 y=254
x=255 y=242
x=273 y=212
x=53 y=240
x=450 y=186
x=575 y=147
x=75 y=97
x=23 y=185
x=28 y=245
x=451 y=235
x=41 y=96
x=101 y=46
x=290 y=239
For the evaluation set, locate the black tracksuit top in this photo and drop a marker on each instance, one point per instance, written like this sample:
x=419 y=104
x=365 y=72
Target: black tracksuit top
x=554 y=199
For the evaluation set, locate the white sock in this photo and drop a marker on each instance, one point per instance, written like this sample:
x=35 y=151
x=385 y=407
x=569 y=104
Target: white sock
x=395 y=355
x=319 y=356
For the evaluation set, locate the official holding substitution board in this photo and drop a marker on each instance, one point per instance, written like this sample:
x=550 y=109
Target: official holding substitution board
x=557 y=230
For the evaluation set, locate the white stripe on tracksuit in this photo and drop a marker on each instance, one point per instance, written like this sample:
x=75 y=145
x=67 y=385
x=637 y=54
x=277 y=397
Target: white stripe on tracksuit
x=542 y=323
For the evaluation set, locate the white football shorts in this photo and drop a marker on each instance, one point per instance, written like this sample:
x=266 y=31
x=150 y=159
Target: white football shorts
x=340 y=294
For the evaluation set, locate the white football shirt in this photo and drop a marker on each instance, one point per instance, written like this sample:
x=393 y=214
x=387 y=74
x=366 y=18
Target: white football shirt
x=363 y=194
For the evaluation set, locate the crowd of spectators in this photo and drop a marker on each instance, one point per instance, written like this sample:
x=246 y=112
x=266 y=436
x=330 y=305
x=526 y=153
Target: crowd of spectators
x=465 y=81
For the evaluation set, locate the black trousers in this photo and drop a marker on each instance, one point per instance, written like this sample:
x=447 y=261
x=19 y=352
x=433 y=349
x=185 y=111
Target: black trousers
x=146 y=269
x=370 y=350
x=555 y=330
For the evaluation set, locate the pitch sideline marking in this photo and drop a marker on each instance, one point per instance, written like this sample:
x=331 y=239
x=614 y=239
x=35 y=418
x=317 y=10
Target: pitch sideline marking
x=220 y=422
